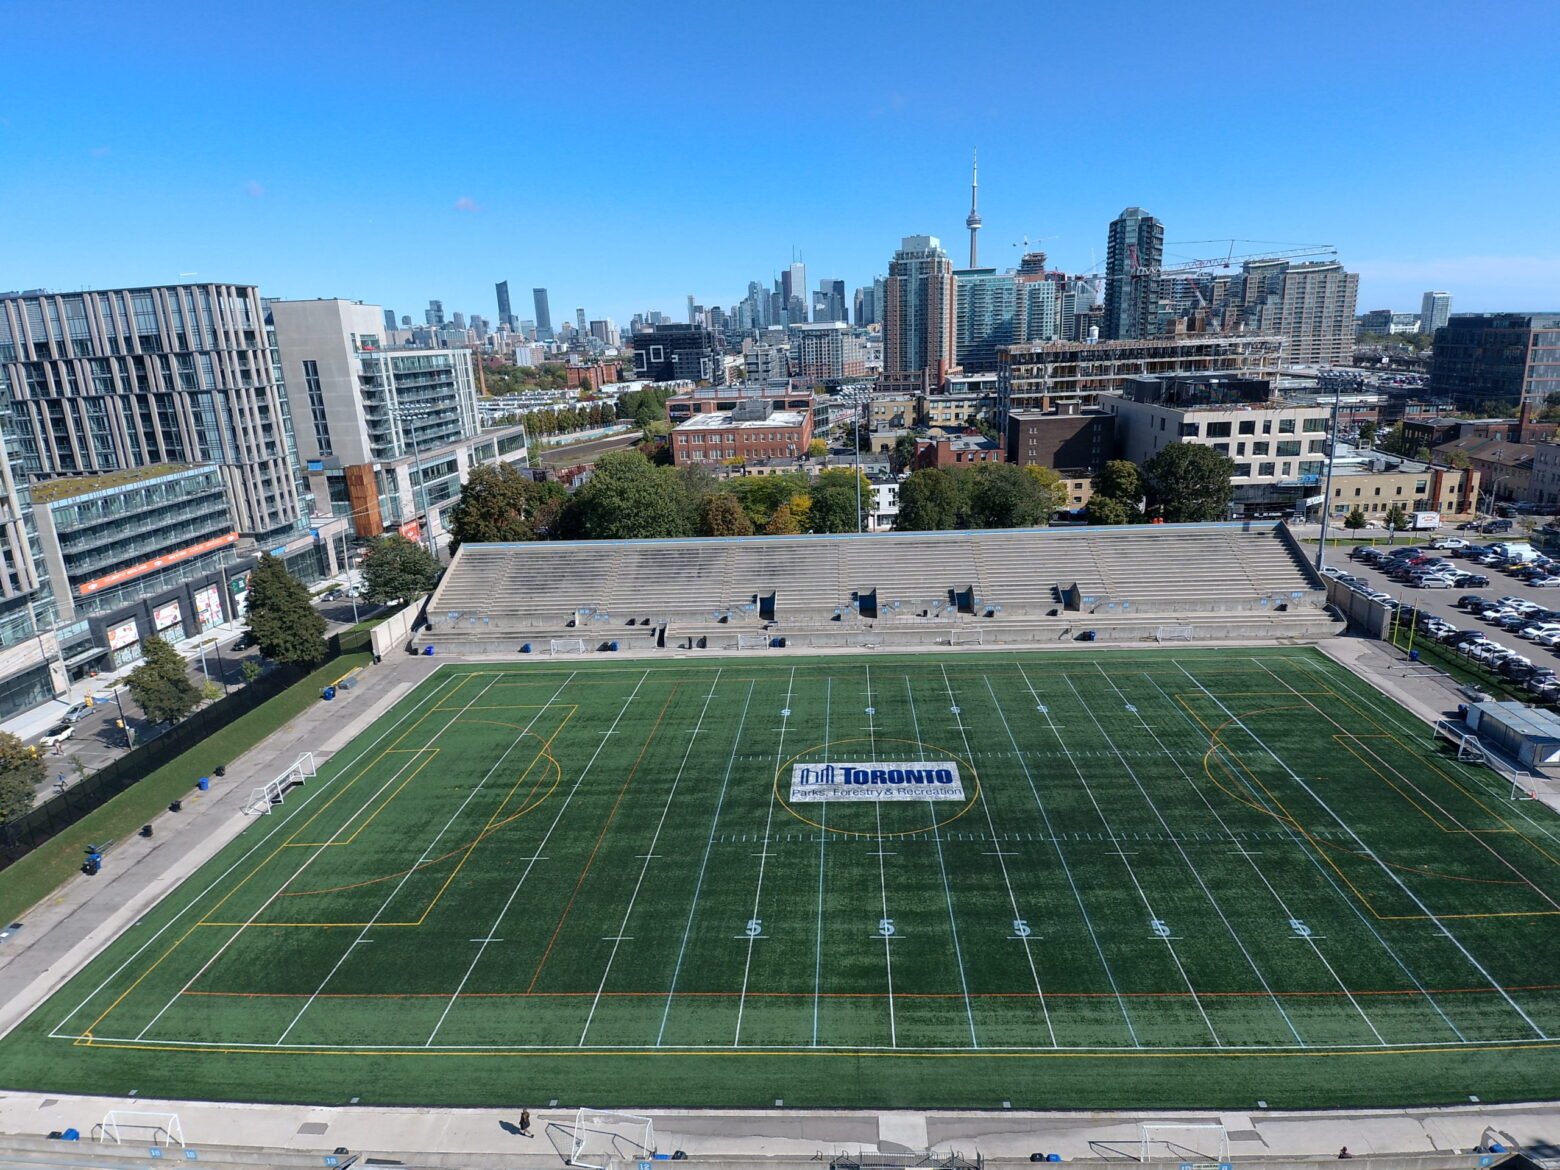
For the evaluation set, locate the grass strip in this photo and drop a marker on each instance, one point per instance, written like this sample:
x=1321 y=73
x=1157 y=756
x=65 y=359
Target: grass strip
x=35 y=876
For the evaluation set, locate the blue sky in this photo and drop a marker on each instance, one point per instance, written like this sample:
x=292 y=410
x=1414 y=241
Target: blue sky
x=625 y=155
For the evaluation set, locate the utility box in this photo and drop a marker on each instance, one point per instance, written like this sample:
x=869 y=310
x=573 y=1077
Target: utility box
x=1527 y=735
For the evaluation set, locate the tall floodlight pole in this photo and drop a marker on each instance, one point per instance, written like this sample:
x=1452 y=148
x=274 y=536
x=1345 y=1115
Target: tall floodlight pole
x=1332 y=456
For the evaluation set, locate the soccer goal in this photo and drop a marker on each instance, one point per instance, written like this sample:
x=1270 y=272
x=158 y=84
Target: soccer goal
x=602 y=1138
x=1173 y=634
x=161 y=1129
x=567 y=645
x=1200 y=1145
x=270 y=794
x=966 y=637
x=752 y=641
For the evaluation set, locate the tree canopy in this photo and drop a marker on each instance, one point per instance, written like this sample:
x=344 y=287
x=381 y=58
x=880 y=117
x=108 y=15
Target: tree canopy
x=161 y=684
x=396 y=569
x=929 y=501
x=282 y=620
x=499 y=503
x=721 y=514
x=21 y=772
x=627 y=498
x=1187 y=482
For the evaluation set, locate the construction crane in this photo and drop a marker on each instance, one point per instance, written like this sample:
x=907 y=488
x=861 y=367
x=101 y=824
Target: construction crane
x=1228 y=260
x=1026 y=241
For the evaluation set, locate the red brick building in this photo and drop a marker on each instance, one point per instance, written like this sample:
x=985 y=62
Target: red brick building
x=753 y=431
x=958 y=450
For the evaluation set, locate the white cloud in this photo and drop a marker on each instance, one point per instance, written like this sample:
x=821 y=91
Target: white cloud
x=467 y=203
x=253 y=189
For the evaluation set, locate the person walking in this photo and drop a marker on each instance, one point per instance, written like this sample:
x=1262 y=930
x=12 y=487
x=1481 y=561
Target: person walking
x=525 y=1123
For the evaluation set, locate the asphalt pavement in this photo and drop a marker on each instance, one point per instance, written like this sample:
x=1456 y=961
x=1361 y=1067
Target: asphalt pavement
x=1443 y=602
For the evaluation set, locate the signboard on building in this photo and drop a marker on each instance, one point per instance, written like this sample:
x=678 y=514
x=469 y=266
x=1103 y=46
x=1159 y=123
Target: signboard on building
x=238 y=592
x=411 y=530
x=162 y=562
x=208 y=607
x=123 y=635
x=166 y=616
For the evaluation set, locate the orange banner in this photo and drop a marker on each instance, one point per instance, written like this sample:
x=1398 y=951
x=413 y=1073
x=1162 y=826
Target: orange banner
x=161 y=562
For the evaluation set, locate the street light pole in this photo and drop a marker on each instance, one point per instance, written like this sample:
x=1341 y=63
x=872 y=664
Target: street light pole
x=1332 y=456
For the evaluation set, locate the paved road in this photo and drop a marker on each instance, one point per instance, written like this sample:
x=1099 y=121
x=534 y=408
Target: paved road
x=1442 y=602
x=98 y=739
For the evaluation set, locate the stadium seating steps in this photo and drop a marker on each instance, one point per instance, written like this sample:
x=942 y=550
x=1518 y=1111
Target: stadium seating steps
x=1020 y=586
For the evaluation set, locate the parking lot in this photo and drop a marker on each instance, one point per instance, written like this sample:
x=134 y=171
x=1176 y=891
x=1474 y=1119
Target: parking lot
x=1525 y=603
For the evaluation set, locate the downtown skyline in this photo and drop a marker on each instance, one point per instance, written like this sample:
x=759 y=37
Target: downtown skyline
x=300 y=171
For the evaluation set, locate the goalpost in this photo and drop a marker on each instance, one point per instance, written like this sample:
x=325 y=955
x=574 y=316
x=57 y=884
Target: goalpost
x=961 y=637
x=165 y=1127
x=752 y=641
x=1172 y=1142
x=602 y=1137
x=270 y=794
x=1173 y=634
x=567 y=645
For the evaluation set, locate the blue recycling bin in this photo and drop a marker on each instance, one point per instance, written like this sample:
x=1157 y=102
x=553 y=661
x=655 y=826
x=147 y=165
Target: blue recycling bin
x=525 y=648
x=203 y=783
x=71 y=1135
x=328 y=694
x=1053 y=1157
x=612 y=646
x=427 y=651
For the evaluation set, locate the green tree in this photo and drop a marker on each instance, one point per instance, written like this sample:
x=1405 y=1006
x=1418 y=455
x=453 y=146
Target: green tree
x=1355 y=521
x=397 y=569
x=161 y=685
x=760 y=495
x=21 y=772
x=721 y=514
x=905 y=448
x=1397 y=521
x=1368 y=433
x=498 y=503
x=1003 y=495
x=1460 y=460
x=282 y=622
x=782 y=523
x=1109 y=510
x=834 y=502
x=1189 y=482
x=1053 y=487
x=817 y=449
x=629 y=499
x=1121 y=480
x=250 y=669
x=929 y=501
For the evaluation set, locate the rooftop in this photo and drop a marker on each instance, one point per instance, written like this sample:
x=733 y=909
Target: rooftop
x=721 y=420
x=51 y=491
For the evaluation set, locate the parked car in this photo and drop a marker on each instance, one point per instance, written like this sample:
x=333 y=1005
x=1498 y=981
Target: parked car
x=56 y=735
x=1544 y=582
x=1472 y=580
x=1448 y=542
x=76 y=712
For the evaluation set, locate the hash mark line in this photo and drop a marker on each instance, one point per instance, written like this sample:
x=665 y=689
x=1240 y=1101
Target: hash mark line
x=942 y=867
x=1309 y=852
x=1050 y=829
x=319 y=851
x=1186 y=857
x=709 y=845
x=1386 y=869
x=1148 y=903
x=758 y=888
x=644 y=869
x=282 y=823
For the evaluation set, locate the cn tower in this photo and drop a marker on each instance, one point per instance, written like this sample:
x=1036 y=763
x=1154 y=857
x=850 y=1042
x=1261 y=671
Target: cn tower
x=973 y=220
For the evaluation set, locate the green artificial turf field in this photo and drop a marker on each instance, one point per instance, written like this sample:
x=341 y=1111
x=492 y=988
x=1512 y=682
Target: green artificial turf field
x=1149 y=878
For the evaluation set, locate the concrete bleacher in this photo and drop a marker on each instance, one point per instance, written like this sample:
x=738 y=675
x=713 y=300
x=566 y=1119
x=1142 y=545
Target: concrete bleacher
x=1237 y=580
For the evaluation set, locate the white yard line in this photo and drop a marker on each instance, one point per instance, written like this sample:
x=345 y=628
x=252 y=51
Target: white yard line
x=492 y=931
x=1072 y=882
x=823 y=836
x=1277 y=895
x=1181 y=849
x=649 y=855
x=942 y=867
x=763 y=859
x=709 y=845
x=319 y=851
x=281 y=824
x=1148 y=903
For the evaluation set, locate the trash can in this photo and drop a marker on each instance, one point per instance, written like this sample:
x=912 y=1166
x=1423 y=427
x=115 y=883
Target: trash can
x=328 y=694
x=612 y=646
x=203 y=783
x=1413 y=655
x=71 y=1135
x=525 y=648
x=427 y=651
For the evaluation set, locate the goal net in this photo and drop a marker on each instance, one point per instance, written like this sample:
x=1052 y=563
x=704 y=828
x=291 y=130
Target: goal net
x=1173 y=634
x=567 y=645
x=1196 y=1144
x=966 y=637
x=602 y=1138
x=161 y=1129
x=270 y=794
x=752 y=641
